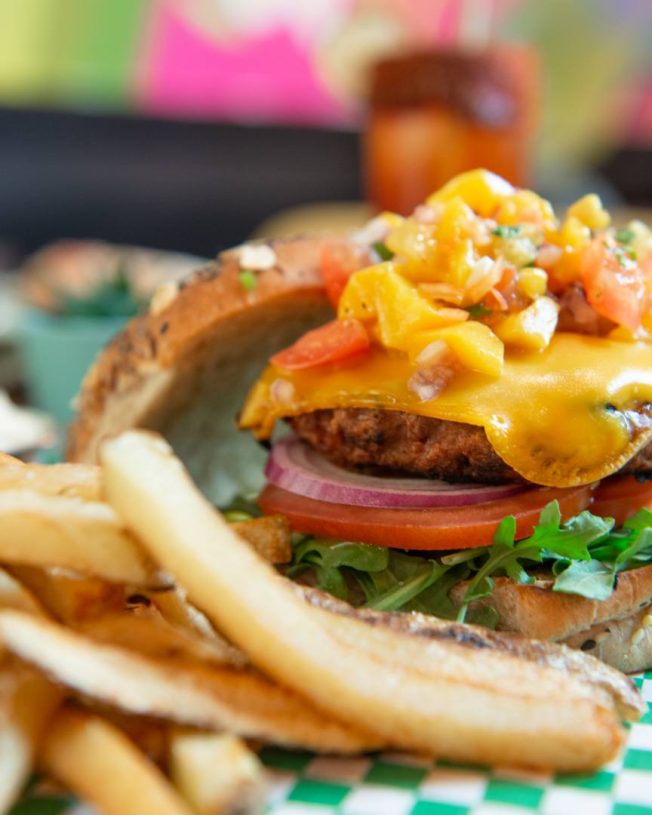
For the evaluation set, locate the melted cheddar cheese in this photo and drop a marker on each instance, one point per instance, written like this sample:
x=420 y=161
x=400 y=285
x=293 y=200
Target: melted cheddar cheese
x=570 y=415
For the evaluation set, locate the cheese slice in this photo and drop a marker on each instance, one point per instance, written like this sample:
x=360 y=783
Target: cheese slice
x=570 y=415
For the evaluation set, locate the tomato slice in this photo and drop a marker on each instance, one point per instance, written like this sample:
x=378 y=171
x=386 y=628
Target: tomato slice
x=621 y=496
x=614 y=284
x=423 y=529
x=332 y=342
x=337 y=264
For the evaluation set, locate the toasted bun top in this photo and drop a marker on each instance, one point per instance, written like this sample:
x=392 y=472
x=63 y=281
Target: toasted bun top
x=184 y=368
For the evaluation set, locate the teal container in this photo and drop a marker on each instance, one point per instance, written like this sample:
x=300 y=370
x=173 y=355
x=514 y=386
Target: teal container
x=55 y=354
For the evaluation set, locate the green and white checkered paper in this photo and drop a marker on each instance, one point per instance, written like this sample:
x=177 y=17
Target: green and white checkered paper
x=389 y=784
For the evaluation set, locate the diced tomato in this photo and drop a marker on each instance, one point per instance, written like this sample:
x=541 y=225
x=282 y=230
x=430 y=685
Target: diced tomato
x=621 y=496
x=337 y=264
x=337 y=340
x=614 y=284
x=424 y=529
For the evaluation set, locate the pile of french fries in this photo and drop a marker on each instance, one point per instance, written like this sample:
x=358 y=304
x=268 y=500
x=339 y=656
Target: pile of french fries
x=148 y=647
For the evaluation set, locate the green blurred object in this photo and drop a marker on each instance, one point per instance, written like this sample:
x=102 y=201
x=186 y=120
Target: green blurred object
x=56 y=352
x=593 y=52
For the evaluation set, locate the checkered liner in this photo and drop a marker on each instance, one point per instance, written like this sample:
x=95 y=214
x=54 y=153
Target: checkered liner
x=390 y=784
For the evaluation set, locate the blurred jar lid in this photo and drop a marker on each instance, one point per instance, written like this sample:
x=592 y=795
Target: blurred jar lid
x=480 y=84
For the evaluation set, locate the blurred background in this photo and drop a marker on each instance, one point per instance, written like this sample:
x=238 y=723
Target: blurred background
x=191 y=125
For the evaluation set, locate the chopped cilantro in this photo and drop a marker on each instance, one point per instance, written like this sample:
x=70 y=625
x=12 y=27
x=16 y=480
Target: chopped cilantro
x=506 y=231
x=248 y=279
x=382 y=250
x=479 y=310
x=624 y=236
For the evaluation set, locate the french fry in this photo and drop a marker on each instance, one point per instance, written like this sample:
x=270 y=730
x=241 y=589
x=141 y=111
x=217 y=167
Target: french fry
x=242 y=702
x=99 y=764
x=15 y=595
x=270 y=537
x=83 y=536
x=175 y=608
x=217 y=774
x=146 y=632
x=71 y=480
x=70 y=598
x=27 y=702
x=422 y=695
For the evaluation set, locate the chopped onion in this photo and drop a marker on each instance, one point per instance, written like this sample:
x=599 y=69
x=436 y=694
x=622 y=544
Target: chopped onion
x=282 y=391
x=296 y=467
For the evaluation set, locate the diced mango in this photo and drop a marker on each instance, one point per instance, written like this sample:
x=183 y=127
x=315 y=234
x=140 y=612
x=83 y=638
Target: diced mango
x=455 y=223
x=473 y=344
x=532 y=282
x=590 y=212
x=518 y=251
x=381 y=293
x=573 y=233
x=532 y=328
x=392 y=219
x=567 y=269
x=525 y=206
x=461 y=263
x=412 y=240
x=402 y=311
x=480 y=189
x=358 y=299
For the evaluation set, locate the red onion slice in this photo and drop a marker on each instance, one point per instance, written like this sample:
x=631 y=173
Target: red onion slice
x=296 y=467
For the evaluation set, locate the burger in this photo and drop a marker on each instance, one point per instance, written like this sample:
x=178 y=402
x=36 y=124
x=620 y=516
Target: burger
x=452 y=409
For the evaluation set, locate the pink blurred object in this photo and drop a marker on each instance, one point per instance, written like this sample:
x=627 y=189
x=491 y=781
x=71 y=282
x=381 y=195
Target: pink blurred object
x=265 y=76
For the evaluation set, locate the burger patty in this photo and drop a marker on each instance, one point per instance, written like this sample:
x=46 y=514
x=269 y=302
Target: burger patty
x=403 y=442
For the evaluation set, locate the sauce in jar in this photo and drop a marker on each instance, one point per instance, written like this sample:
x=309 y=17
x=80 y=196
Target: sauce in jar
x=434 y=115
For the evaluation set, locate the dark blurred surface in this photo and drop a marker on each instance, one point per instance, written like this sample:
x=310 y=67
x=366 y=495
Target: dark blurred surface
x=194 y=187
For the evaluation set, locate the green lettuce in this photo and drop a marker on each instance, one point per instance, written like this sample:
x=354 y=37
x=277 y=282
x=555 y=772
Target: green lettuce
x=582 y=556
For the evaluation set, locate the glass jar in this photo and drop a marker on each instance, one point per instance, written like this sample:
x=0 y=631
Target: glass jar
x=434 y=115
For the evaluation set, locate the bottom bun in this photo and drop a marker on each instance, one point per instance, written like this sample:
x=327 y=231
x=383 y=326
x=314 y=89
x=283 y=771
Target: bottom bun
x=617 y=630
x=625 y=644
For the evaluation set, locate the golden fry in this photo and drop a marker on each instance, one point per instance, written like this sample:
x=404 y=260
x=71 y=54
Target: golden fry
x=70 y=598
x=82 y=536
x=217 y=774
x=69 y=480
x=146 y=632
x=422 y=695
x=99 y=763
x=27 y=702
x=211 y=697
x=13 y=594
x=175 y=608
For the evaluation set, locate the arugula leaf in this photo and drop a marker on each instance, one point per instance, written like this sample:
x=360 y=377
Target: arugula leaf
x=405 y=591
x=583 y=555
x=588 y=578
x=360 y=556
x=572 y=539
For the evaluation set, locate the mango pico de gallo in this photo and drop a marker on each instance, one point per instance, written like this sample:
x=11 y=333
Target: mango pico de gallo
x=479 y=269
